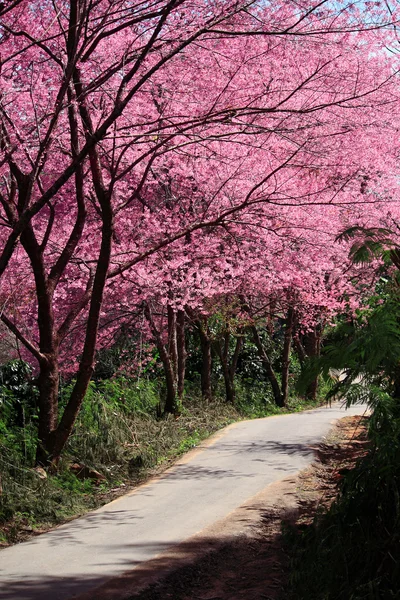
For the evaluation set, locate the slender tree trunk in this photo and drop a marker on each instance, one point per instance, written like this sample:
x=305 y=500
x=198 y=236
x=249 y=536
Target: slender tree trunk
x=171 y=404
x=48 y=384
x=206 y=363
x=229 y=366
x=235 y=357
x=47 y=353
x=60 y=436
x=206 y=369
x=48 y=380
x=301 y=353
x=181 y=348
x=171 y=364
x=276 y=391
x=269 y=370
x=271 y=318
x=230 y=392
x=287 y=342
x=222 y=352
x=172 y=339
x=311 y=344
x=233 y=367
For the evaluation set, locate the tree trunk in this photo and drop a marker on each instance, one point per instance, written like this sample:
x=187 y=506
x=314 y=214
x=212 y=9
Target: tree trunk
x=269 y=371
x=301 y=353
x=229 y=366
x=48 y=384
x=171 y=364
x=230 y=392
x=60 y=436
x=172 y=339
x=206 y=363
x=271 y=318
x=311 y=344
x=48 y=380
x=287 y=342
x=181 y=347
x=171 y=404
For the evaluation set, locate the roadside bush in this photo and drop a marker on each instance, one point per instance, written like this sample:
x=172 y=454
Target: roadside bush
x=353 y=550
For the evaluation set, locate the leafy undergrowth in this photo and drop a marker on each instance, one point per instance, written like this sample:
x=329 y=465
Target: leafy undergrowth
x=117 y=444
x=351 y=549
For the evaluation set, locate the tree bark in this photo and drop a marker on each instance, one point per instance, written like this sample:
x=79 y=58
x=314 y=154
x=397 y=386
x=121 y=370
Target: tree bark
x=229 y=365
x=48 y=380
x=311 y=344
x=271 y=318
x=48 y=383
x=269 y=371
x=301 y=353
x=181 y=348
x=171 y=404
x=287 y=342
x=172 y=339
x=206 y=359
x=230 y=392
x=60 y=436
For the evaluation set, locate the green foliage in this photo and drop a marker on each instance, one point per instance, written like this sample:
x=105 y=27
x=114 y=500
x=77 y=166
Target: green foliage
x=124 y=350
x=17 y=394
x=191 y=441
x=353 y=550
x=254 y=398
x=107 y=424
x=371 y=243
x=15 y=376
x=364 y=349
x=18 y=412
x=249 y=364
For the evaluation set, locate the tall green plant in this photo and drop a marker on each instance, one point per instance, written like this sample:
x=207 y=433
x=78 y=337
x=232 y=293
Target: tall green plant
x=352 y=552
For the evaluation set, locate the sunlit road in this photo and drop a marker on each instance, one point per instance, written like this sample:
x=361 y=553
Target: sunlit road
x=200 y=489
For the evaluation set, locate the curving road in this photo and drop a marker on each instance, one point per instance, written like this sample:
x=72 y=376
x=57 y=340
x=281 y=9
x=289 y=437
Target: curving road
x=201 y=488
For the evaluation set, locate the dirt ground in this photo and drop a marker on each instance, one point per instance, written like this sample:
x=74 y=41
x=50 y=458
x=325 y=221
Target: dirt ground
x=241 y=557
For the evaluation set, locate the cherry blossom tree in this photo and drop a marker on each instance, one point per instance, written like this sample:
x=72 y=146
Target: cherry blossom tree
x=115 y=146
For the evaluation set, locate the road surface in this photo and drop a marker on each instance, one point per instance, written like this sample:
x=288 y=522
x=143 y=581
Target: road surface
x=200 y=489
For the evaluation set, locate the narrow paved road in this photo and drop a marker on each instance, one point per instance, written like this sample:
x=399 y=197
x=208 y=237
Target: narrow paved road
x=200 y=489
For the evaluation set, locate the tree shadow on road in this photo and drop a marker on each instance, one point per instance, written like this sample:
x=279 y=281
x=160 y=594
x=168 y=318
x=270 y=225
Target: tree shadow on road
x=236 y=566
